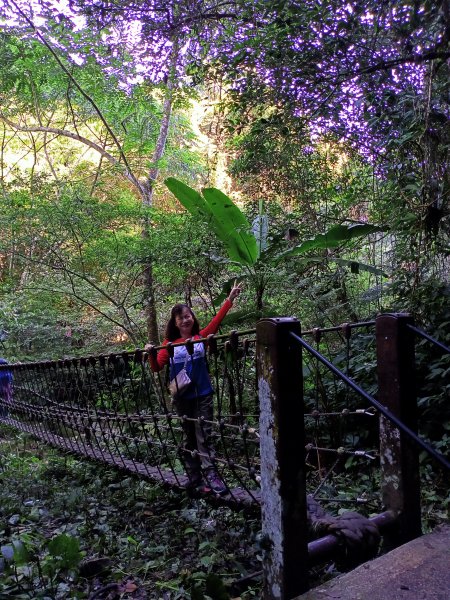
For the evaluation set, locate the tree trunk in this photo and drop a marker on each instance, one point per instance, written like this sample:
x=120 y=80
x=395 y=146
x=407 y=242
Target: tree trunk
x=165 y=122
x=150 y=307
x=149 y=294
x=435 y=160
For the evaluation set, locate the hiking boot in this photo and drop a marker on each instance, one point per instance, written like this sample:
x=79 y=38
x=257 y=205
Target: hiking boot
x=216 y=484
x=194 y=482
x=198 y=489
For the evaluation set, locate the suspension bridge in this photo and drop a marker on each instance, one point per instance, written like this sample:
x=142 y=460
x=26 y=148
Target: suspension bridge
x=294 y=414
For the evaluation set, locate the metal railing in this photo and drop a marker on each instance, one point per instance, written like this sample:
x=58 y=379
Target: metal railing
x=281 y=352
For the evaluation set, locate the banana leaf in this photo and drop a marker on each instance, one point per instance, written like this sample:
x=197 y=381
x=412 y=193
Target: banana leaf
x=232 y=227
x=222 y=216
x=190 y=199
x=354 y=265
x=334 y=237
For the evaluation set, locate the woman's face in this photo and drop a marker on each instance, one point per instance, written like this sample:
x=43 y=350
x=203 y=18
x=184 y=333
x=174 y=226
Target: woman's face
x=185 y=321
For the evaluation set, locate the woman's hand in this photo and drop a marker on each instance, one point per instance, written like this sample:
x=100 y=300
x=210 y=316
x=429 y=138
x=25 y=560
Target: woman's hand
x=235 y=291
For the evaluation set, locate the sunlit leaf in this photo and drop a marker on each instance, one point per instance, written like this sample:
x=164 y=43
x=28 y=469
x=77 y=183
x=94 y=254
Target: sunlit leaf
x=232 y=227
x=219 y=212
x=190 y=199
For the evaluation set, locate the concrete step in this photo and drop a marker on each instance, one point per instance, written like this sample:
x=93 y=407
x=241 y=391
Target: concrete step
x=418 y=570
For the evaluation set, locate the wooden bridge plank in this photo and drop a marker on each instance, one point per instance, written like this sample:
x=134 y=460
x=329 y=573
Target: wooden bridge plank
x=418 y=569
x=155 y=474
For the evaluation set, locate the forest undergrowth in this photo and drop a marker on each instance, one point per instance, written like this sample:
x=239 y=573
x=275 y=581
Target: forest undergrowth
x=71 y=528
x=74 y=529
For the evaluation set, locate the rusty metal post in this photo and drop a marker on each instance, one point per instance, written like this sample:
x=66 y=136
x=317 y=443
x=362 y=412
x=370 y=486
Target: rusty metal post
x=283 y=489
x=399 y=456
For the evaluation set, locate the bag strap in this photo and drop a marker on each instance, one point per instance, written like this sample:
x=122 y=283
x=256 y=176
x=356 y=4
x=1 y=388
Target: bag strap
x=189 y=355
x=171 y=362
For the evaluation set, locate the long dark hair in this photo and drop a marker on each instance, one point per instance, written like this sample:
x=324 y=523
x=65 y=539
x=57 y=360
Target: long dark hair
x=172 y=331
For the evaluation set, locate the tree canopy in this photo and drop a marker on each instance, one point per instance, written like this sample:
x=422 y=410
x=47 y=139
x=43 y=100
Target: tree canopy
x=319 y=117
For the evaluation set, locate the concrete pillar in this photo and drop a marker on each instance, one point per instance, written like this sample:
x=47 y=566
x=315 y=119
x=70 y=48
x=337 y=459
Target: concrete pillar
x=283 y=489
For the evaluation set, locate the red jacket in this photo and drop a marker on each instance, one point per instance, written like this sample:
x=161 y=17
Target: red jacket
x=196 y=365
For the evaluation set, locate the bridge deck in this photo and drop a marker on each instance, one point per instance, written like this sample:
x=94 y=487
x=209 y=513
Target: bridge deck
x=159 y=475
x=418 y=570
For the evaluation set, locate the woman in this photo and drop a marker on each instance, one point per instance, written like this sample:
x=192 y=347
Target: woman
x=196 y=401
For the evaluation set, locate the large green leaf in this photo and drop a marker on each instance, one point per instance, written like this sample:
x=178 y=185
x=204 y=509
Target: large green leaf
x=334 y=237
x=66 y=549
x=232 y=226
x=357 y=266
x=222 y=215
x=190 y=199
x=354 y=265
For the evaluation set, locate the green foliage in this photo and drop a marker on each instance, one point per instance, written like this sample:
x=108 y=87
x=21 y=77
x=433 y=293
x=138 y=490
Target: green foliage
x=430 y=304
x=65 y=552
x=77 y=235
x=230 y=225
x=328 y=129
x=217 y=211
x=333 y=238
x=73 y=253
x=68 y=529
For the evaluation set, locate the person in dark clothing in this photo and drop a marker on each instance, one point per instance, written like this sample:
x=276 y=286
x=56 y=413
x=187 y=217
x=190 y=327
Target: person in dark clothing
x=6 y=380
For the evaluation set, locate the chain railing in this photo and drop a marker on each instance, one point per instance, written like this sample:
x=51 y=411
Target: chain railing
x=116 y=410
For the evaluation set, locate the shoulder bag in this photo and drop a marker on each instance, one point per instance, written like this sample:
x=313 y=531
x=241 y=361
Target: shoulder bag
x=180 y=382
